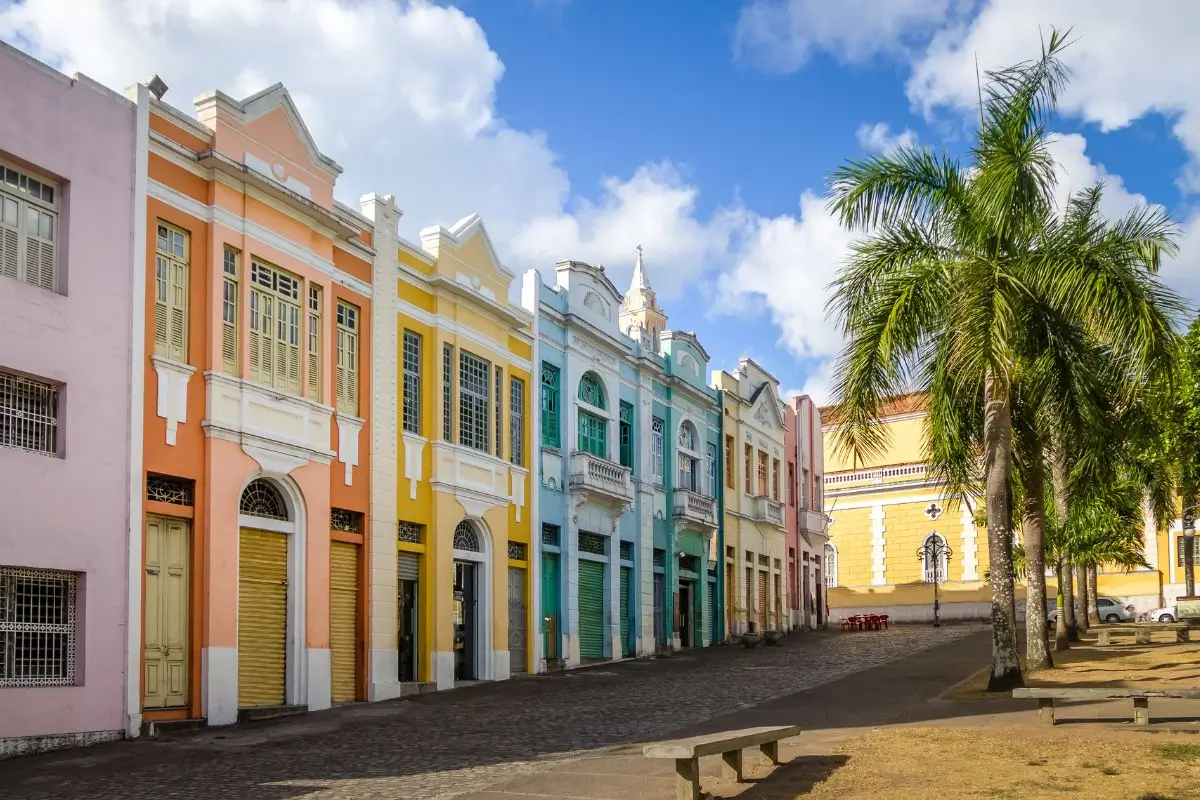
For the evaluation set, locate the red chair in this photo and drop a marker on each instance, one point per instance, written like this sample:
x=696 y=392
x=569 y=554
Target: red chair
x=883 y=620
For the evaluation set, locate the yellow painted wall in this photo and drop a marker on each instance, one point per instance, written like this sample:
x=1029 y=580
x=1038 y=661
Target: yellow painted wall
x=905 y=445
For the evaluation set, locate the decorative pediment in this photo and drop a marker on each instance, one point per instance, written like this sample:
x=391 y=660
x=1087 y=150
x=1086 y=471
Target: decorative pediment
x=595 y=303
x=465 y=254
x=688 y=363
x=766 y=406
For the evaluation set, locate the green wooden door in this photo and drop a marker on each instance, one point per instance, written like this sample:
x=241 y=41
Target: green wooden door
x=591 y=609
x=552 y=629
x=626 y=590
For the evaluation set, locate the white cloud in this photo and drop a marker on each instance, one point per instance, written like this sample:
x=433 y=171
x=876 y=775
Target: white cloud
x=878 y=138
x=401 y=93
x=782 y=35
x=818 y=384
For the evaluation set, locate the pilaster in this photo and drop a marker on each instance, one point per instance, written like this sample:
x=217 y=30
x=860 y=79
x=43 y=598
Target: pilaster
x=878 y=546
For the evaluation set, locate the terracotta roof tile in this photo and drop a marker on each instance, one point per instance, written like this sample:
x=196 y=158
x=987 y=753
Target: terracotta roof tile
x=891 y=407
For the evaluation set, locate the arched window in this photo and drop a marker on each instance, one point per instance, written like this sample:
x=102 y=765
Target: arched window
x=687 y=436
x=831 y=566
x=591 y=390
x=262 y=499
x=467 y=538
x=934 y=560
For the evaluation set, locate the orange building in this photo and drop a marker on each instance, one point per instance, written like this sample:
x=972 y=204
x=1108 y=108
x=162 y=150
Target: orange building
x=258 y=313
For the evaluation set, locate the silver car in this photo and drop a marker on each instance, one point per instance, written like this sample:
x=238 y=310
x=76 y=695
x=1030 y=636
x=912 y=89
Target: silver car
x=1111 y=610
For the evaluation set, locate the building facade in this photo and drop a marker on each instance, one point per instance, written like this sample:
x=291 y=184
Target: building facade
x=808 y=528
x=454 y=580
x=257 y=468
x=69 y=435
x=755 y=533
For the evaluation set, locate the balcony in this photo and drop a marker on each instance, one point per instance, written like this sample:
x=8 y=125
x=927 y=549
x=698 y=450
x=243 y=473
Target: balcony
x=600 y=478
x=811 y=521
x=768 y=510
x=695 y=509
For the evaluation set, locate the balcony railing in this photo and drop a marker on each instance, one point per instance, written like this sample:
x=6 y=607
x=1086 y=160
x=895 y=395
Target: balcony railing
x=768 y=510
x=877 y=475
x=695 y=508
x=600 y=477
x=811 y=521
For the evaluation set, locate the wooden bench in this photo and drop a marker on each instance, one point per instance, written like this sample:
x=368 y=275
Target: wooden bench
x=1141 y=631
x=1046 y=696
x=729 y=745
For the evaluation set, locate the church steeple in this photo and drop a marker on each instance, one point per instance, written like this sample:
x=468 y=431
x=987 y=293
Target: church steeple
x=640 y=308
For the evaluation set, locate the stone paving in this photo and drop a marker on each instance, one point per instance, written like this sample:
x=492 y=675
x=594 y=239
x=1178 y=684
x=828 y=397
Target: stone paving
x=449 y=744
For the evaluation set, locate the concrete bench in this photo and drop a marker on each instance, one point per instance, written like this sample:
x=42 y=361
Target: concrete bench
x=1141 y=631
x=686 y=753
x=1046 y=696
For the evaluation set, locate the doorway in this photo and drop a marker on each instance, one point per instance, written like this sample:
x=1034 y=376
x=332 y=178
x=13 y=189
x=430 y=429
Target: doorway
x=407 y=594
x=165 y=622
x=466 y=627
x=687 y=594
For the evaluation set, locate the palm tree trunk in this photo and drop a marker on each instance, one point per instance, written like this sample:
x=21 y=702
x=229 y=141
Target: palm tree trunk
x=1081 y=620
x=1037 y=653
x=1093 y=596
x=997 y=442
x=1062 y=506
x=1062 y=640
x=1189 y=542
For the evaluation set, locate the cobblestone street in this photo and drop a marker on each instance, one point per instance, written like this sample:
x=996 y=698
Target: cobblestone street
x=454 y=743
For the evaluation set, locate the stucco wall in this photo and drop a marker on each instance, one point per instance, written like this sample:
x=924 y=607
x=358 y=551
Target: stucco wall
x=71 y=512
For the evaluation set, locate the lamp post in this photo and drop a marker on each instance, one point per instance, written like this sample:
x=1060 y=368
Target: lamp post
x=934 y=550
x=1189 y=550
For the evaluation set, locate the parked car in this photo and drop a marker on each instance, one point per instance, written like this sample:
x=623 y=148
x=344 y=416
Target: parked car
x=1164 y=614
x=1111 y=610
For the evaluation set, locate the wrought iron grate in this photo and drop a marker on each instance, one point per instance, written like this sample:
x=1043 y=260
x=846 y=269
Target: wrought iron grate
x=28 y=415
x=166 y=489
x=37 y=627
x=627 y=551
x=550 y=535
x=517 y=551
x=660 y=558
x=411 y=532
x=467 y=538
x=341 y=519
x=592 y=543
x=689 y=563
x=262 y=499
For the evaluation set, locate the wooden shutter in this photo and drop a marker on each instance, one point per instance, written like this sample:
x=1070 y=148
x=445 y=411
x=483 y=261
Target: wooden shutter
x=9 y=235
x=347 y=358
x=312 y=386
x=171 y=293
x=230 y=312
x=40 y=249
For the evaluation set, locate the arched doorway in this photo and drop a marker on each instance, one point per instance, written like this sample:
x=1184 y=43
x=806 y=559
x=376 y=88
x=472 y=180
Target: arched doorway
x=471 y=602
x=270 y=592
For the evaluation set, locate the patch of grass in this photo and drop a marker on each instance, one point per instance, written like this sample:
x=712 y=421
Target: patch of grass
x=1180 y=752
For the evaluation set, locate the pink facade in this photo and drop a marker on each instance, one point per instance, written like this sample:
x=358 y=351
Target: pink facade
x=807 y=528
x=67 y=148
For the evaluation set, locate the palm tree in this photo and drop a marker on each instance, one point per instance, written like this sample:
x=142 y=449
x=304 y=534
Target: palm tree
x=934 y=294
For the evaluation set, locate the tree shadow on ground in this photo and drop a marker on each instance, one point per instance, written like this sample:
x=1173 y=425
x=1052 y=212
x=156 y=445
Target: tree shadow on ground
x=794 y=779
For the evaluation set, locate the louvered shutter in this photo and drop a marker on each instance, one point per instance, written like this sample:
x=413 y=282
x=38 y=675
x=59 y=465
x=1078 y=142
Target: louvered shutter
x=229 y=323
x=9 y=237
x=39 y=259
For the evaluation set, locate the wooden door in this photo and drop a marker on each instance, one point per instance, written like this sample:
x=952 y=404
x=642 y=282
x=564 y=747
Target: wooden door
x=165 y=613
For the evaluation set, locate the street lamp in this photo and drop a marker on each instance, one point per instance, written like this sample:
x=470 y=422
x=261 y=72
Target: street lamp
x=933 y=551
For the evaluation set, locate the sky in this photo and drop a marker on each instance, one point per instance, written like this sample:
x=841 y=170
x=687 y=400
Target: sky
x=703 y=131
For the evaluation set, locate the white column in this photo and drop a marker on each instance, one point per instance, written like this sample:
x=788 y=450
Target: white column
x=970 y=545
x=878 y=546
x=1150 y=536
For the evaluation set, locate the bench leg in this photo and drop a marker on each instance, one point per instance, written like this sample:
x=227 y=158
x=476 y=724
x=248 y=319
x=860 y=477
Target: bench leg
x=1181 y=635
x=733 y=765
x=770 y=751
x=1142 y=637
x=1141 y=711
x=1103 y=639
x=1046 y=710
x=687 y=779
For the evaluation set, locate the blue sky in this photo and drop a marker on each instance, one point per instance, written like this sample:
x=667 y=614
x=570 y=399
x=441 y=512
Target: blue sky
x=703 y=131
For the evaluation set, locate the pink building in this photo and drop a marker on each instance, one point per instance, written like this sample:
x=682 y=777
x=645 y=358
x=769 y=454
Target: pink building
x=808 y=527
x=69 y=188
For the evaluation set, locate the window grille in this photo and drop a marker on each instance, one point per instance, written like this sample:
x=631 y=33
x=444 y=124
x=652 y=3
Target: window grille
x=448 y=392
x=550 y=534
x=37 y=627
x=660 y=558
x=274 y=327
x=516 y=421
x=627 y=551
x=689 y=564
x=763 y=561
x=934 y=558
x=411 y=532
x=591 y=391
x=230 y=303
x=262 y=499
x=473 y=399
x=499 y=412
x=656 y=437
x=593 y=434
x=165 y=489
x=28 y=235
x=550 y=403
x=341 y=519
x=313 y=385
x=412 y=382
x=172 y=259
x=517 y=551
x=467 y=538
x=592 y=543
x=28 y=414
x=347 y=358
x=687 y=436
x=626 y=434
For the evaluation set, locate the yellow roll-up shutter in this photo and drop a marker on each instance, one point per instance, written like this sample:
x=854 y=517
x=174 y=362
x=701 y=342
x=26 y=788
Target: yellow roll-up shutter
x=762 y=601
x=262 y=618
x=343 y=614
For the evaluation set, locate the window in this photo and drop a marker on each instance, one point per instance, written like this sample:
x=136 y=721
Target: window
x=312 y=388
x=626 y=432
x=687 y=472
x=342 y=519
x=448 y=392
x=729 y=462
x=712 y=467
x=28 y=218
x=171 y=260
x=274 y=327
x=593 y=434
x=656 y=442
x=516 y=421
x=550 y=535
x=934 y=560
x=550 y=428
x=762 y=474
x=412 y=382
x=37 y=627
x=749 y=469
x=591 y=391
x=28 y=414
x=347 y=358
x=499 y=412
x=410 y=532
x=1179 y=541
x=230 y=301
x=804 y=487
x=775 y=479
x=474 y=392
x=260 y=498
x=687 y=436
x=467 y=538
x=791 y=483
x=831 y=566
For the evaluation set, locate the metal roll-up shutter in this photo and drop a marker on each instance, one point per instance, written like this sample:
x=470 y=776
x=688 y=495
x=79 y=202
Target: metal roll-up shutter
x=409 y=567
x=762 y=601
x=626 y=583
x=710 y=612
x=591 y=609
x=262 y=618
x=516 y=620
x=343 y=617
x=729 y=595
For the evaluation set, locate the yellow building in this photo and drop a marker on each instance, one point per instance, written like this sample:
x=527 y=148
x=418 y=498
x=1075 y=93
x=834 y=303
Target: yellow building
x=451 y=585
x=884 y=511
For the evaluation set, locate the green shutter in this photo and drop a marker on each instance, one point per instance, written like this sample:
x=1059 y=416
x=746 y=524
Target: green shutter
x=593 y=434
x=550 y=426
x=626 y=584
x=591 y=609
x=626 y=433
x=550 y=604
